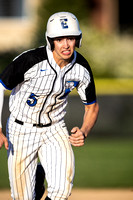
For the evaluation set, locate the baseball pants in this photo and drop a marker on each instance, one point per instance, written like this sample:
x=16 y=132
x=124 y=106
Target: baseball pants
x=51 y=145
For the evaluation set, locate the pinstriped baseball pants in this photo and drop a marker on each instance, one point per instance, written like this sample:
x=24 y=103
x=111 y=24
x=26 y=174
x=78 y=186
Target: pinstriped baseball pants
x=51 y=145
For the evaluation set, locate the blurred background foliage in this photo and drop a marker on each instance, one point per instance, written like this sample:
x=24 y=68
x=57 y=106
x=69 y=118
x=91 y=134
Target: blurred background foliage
x=109 y=54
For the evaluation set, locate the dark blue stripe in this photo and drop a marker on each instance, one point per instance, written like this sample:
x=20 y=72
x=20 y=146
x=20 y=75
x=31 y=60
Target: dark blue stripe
x=4 y=85
x=90 y=103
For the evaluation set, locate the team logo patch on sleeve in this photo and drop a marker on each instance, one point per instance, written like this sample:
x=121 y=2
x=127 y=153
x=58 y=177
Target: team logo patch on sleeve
x=69 y=86
x=64 y=23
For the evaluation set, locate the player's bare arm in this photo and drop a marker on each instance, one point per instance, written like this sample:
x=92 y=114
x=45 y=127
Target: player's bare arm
x=3 y=140
x=78 y=135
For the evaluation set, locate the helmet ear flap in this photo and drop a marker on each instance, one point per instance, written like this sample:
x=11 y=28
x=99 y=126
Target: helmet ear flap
x=78 y=40
x=51 y=43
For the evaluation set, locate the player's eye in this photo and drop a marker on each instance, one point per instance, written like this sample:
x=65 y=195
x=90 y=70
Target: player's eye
x=71 y=38
x=58 y=39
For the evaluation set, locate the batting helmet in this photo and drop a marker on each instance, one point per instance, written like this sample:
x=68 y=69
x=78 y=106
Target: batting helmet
x=63 y=24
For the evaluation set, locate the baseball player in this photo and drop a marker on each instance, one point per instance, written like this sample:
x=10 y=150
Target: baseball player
x=40 y=80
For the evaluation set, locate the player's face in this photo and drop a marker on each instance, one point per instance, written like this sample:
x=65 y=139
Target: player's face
x=63 y=49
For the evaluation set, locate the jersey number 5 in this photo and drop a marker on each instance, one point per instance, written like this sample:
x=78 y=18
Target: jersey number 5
x=32 y=101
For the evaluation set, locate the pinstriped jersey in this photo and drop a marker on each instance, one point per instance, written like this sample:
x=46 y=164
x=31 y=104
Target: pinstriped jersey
x=40 y=87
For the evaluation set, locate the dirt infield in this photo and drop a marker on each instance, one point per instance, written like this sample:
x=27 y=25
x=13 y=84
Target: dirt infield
x=88 y=194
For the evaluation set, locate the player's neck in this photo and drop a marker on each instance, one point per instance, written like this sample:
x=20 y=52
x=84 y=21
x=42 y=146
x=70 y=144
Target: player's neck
x=62 y=62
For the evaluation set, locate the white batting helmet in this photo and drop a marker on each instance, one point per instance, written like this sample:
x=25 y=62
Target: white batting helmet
x=63 y=24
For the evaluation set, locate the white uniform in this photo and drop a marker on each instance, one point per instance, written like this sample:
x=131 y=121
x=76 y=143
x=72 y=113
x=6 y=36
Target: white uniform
x=36 y=125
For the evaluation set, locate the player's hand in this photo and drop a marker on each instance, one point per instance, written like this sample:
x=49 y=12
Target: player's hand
x=77 y=137
x=3 y=140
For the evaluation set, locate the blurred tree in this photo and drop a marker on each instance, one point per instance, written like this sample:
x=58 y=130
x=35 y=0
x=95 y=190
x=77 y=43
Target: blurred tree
x=49 y=7
x=6 y=58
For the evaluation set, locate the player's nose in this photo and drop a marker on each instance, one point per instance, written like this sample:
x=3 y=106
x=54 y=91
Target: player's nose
x=65 y=43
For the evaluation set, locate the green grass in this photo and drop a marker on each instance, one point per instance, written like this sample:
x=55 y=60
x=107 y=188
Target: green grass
x=100 y=163
x=4 y=180
x=104 y=163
